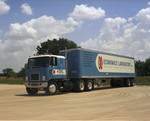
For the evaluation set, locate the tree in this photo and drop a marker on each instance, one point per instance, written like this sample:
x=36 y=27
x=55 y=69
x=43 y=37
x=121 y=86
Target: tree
x=9 y=72
x=21 y=73
x=147 y=66
x=54 y=46
x=140 y=68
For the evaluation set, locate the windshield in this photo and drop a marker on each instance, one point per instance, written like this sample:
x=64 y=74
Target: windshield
x=39 y=62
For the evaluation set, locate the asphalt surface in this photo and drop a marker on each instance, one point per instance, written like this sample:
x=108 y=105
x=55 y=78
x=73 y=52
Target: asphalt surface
x=105 y=103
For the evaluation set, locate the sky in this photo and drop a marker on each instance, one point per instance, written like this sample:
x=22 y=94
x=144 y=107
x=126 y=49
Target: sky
x=115 y=26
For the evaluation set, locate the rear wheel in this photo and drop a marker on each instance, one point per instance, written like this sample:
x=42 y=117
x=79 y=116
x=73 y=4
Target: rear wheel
x=51 y=88
x=127 y=82
x=32 y=91
x=132 y=82
x=80 y=86
x=88 y=85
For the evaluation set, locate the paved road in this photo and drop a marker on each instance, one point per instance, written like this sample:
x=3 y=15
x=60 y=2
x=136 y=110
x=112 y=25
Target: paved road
x=104 y=103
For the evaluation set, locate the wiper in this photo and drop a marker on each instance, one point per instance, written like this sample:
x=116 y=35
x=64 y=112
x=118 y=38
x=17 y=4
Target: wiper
x=29 y=67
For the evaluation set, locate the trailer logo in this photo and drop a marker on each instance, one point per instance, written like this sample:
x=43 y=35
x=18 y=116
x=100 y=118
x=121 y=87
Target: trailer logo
x=99 y=62
x=54 y=72
x=59 y=72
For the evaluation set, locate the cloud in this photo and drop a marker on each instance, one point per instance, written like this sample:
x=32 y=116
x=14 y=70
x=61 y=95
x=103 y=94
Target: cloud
x=26 y=9
x=22 y=39
x=110 y=37
x=4 y=8
x=41 y=27
x=148 y=3
x=84 y=12
x=129 y=37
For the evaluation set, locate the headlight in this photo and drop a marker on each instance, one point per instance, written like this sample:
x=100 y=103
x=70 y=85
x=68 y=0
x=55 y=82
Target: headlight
x=43 y=78
x=26 y=78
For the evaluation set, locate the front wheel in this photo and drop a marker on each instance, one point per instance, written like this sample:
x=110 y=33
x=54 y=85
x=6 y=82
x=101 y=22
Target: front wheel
x=51 y=88
x=32 y=91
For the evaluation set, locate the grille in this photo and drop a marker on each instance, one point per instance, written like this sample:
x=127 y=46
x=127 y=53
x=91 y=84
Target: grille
x=35 y=77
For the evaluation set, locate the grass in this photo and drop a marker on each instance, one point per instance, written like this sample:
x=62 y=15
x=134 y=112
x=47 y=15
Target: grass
x=12 y=80
x=145 y=80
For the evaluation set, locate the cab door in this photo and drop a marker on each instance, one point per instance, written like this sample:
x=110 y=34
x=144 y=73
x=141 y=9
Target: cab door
x=54 y=67
x=58 y=70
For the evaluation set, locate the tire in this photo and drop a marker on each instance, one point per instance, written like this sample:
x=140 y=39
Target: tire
x=127 y=82
x=132 y=82
x=51 y=89
x=80 y=86
x=32 y=91
x=88 y=85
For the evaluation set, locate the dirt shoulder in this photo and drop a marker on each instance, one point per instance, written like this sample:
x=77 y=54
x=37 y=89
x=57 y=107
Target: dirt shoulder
x=105 y=103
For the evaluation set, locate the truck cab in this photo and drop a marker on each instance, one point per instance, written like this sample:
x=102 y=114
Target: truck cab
x=43 y=70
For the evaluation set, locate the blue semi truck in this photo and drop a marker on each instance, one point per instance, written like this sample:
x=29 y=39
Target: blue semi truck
x=77 y=69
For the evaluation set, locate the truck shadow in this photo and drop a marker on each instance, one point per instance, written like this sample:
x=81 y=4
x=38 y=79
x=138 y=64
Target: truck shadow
x=43 y=94
x=63 y=93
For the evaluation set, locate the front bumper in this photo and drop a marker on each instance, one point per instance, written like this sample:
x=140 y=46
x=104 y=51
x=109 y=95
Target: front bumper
x=36 y=84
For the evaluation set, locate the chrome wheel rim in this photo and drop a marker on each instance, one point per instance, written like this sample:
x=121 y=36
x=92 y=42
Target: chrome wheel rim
x=52 y=88
x=89 y=85
x=133 y=83
x=81 y=86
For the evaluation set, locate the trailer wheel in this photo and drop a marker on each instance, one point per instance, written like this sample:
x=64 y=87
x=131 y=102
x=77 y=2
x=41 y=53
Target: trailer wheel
x=80 y=86
x=132 y=82
x=127 y=83
x=88 y=85
x=32 y=91
x=51 y=88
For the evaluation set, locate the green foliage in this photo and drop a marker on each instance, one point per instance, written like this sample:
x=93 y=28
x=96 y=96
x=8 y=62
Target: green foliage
x=147 y=66
x=1 y=74
x=21 y=73
x=9 y=72
x=142 y=68
x=54 y=46
x=11 y=80
x=145 y=80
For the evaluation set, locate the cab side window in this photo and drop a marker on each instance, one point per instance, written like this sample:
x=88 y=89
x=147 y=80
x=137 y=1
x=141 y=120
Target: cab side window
x=53 y=61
